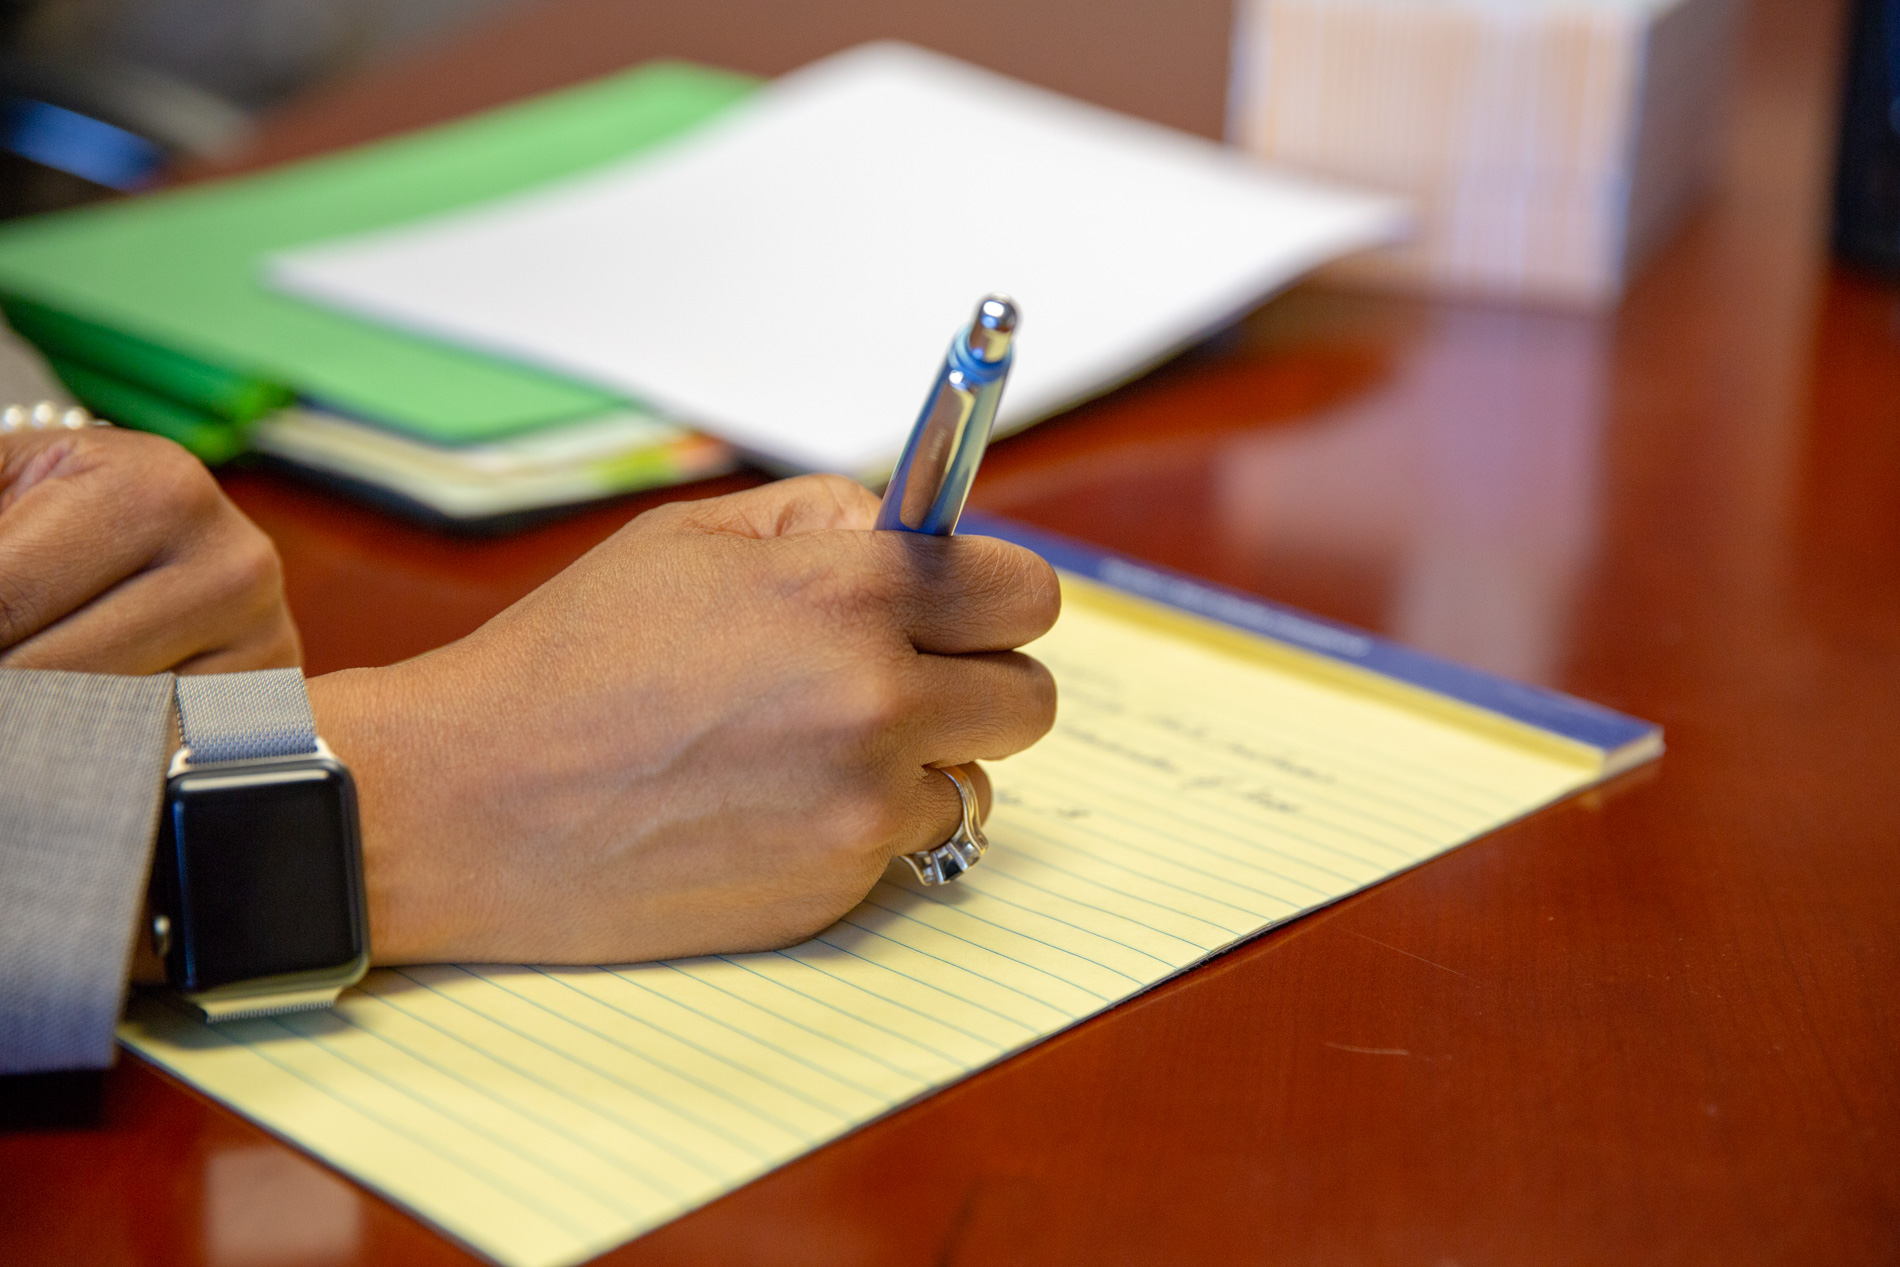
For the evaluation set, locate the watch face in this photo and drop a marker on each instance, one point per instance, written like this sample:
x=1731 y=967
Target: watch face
x=263 y=867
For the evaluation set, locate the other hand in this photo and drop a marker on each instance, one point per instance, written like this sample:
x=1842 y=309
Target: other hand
x=711 y=733
x=120 y=554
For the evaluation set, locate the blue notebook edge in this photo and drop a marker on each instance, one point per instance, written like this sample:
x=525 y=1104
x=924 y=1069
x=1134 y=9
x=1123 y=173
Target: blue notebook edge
x=1623 y=741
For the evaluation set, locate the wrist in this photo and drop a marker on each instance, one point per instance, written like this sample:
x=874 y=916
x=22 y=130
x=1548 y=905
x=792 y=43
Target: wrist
x=355 y=711
x=394 y=735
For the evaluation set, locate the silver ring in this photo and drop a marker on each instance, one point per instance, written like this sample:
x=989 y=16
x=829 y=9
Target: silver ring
x=966 y=845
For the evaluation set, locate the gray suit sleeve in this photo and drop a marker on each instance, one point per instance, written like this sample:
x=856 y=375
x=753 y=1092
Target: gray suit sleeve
x=82 y=762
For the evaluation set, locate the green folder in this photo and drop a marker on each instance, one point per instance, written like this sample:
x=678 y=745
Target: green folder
x=238 y=398
x=163 y=294
x=213 y=438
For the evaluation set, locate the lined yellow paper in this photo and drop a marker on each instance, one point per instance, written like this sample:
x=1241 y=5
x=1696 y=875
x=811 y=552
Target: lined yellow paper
x=1189 y=797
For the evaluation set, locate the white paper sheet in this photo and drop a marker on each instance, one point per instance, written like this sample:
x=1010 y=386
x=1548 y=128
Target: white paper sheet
x=788 y=275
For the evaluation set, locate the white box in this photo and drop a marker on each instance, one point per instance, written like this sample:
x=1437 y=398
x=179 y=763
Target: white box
x=1547 y=144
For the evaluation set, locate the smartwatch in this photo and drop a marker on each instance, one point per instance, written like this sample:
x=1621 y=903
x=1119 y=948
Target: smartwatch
x=257 y=888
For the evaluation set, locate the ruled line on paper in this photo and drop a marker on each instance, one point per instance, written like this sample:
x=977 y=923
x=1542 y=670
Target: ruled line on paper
x=1186 y=799
x=857 y=1050
x=602 y=1109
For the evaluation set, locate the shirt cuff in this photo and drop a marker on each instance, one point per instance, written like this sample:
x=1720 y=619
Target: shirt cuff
x=82 y=760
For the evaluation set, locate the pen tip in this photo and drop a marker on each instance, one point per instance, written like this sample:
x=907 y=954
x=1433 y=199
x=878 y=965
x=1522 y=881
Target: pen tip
x=991 y=328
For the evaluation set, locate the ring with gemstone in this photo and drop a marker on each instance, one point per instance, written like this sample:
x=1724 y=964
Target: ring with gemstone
x=966 y=845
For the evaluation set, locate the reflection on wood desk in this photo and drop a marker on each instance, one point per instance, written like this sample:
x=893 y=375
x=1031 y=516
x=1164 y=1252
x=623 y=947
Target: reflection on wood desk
x=1658 y=1023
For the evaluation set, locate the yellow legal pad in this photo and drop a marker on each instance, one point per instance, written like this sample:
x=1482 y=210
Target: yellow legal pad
x=1202 y=784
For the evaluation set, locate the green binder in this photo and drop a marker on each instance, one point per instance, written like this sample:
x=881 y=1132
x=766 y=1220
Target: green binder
x=159 y=300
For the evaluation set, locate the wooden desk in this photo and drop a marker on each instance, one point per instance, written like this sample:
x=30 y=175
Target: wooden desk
x=1656 y=1024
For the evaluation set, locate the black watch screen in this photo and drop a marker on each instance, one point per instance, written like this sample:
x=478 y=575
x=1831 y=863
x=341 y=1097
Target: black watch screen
x=259 y=873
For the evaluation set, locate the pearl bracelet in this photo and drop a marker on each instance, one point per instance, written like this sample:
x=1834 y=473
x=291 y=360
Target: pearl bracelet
x=47 y=415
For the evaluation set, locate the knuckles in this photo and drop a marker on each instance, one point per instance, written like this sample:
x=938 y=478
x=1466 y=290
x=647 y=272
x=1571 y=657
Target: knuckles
x=234 y=560
x=866 y=705
x=250 y=568
x=794 y=506
x=847 y=501
x=986 y=594
x=839 y=579
x=160 y=482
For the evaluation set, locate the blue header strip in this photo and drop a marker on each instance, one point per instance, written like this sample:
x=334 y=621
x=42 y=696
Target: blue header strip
x=1548 y=710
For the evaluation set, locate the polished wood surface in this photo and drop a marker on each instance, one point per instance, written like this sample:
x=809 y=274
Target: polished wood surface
x=1659 y=1023
x=1166 y=62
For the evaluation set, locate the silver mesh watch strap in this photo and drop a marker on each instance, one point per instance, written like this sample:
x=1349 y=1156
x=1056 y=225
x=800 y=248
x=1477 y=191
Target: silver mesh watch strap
x=244 y=716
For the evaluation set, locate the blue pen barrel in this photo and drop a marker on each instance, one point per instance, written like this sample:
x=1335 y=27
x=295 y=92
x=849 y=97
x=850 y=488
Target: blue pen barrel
x=940 y=460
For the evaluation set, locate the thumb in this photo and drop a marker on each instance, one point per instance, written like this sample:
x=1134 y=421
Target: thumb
x=809 y=503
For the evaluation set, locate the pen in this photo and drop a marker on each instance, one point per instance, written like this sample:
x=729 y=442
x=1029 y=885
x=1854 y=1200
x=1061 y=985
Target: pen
x=926 y=494
x=933 y=477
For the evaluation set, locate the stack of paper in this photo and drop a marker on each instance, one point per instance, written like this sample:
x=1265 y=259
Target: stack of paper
x=498 y=482
x=1547 y=143
x=788 y=275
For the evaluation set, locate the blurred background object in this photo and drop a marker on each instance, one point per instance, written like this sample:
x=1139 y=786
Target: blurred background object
x=1867 y=178
x=97 y=95
x=1549 y=147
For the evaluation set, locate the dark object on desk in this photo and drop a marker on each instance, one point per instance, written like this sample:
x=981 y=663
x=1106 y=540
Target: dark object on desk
x=77 y=130
x=1867 y=175
x=61 y=1100
x=28 y=188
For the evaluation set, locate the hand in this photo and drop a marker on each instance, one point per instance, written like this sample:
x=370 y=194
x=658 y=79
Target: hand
x=120 y=554
x=711 y=733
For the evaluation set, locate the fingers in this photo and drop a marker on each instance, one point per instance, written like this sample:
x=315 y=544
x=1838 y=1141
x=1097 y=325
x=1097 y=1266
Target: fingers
x=949 y=595
x=120 y=554
x=987 y=706
x=955 y=595
x=979 y=707
x=810 y=503
x=935 y=808
x=195 y=619
x=985 y=794
x=73 y=524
